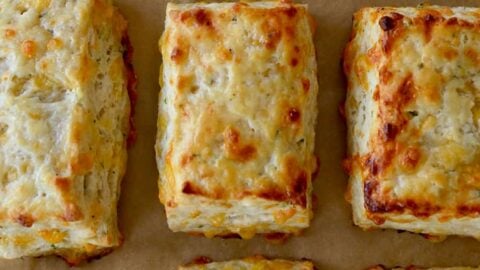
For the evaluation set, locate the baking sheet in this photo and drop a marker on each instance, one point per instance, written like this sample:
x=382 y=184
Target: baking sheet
x=332 y=242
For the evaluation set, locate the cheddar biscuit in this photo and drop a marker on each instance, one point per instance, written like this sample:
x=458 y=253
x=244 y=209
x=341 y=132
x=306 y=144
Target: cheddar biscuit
x=64 y=122
x=413 y=110
x=251 y=263
x=236 y=118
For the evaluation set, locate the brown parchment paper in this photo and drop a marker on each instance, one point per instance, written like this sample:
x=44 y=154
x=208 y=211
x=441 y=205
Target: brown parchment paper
x=332 y=242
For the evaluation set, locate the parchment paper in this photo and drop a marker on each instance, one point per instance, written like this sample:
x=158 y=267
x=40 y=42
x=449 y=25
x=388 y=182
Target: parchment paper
x=332 y=242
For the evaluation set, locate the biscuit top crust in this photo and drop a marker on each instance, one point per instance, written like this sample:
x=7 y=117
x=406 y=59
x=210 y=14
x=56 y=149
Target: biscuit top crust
x=239 y=88
x=421 y=68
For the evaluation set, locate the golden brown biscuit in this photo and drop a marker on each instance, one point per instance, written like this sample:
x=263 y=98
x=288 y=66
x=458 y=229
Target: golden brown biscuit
x=413 y=115
x=251 y=263
x=236 y=118
x=64 y=122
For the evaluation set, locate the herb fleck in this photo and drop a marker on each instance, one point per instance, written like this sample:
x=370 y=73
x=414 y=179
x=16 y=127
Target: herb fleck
x=413 y=113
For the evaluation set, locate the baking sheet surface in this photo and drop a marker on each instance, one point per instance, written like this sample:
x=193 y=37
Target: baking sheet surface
x=332 y=242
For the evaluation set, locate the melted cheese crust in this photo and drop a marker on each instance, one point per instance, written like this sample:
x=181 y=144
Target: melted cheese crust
x=251 y=263
x=236 y=118
x=64 y=112
x=413 y=119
